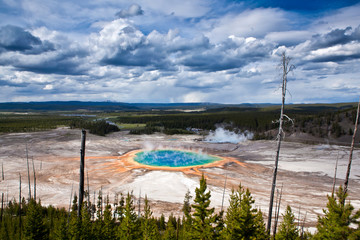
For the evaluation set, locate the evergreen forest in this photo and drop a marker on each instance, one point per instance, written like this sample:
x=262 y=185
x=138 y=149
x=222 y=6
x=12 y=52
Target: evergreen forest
x=28 y=219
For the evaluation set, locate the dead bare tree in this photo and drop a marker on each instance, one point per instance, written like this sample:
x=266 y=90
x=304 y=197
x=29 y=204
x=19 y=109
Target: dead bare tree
x=277 y=211
x=286 y=69
x=2 y=171
x=351 y=151
x=71 y=194
x=223 y=196
x=139 y=210
x=28 y=172
x=334 y=181
x=302 y=227
x=20 y=203
x=88 y=187
x=299 y=217
x=34 y=178
x=2 y=206
x=82 y=164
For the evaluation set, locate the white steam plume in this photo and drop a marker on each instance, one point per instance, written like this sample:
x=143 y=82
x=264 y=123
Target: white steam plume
x=221 y=135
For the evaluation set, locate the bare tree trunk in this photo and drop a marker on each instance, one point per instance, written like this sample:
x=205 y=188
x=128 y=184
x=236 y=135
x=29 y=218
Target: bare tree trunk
x=223 y=196
x=286 y=68
x=2 y=171
x=28 y=171
x=139 y=204
x=93 y=213
x=72 y=188
x=299 y=217
x=82 y=164
x=87 y=178
x=351 y=152
x=302 y=227
x=20 y=204
x=334 y=181
x=34 y=179
x=276 y=203
x=277 y=212
x=2 y=206
x=101 y=202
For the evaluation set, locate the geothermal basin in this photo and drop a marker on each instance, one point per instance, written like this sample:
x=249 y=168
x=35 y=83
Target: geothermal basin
x=305 y=171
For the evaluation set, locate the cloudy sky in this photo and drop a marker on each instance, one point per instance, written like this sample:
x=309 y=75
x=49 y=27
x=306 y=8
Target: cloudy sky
x=179 y=51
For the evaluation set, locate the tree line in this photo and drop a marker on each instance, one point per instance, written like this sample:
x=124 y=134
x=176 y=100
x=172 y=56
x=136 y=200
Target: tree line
x=120 y=220
x=98 y=127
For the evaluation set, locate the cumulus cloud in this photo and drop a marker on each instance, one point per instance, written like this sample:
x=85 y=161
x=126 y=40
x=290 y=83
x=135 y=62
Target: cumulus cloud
x=235 y=52
x=133 y=10
x=120 y=43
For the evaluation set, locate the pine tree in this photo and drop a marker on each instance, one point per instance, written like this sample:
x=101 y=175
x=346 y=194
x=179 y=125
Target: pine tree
x=187 y=219
x=119 y=210
x=34 y=227
x=288 y=229
x=170 y=232
x=128 y=229
x=60 y=232
x=109 y=223
x=187 y=206
x=74 y=223
x=203 y=216
x=338 y=216
x=98 y=225
x=161 y=223
x=86 y=227
x=148 y=225
x=242 y=220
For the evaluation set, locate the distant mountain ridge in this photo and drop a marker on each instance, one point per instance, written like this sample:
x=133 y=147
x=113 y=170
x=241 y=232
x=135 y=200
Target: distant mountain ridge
x=89 y=106
x=115 y=106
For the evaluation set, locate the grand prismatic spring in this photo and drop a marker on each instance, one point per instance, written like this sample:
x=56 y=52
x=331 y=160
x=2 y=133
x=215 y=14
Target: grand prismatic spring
x=174 y=158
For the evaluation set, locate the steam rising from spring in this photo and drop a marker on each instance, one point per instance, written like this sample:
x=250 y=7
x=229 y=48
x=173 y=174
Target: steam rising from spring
x=221 y=135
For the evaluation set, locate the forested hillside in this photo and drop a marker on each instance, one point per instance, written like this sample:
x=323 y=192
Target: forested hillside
x=319 y=122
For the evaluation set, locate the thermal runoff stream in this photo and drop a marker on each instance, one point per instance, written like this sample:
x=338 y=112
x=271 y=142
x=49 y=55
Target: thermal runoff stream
x=173 y=158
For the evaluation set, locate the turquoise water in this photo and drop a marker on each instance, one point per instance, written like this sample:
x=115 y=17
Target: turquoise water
x=173 y=158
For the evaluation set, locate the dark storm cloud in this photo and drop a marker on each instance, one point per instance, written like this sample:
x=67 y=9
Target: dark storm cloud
x=335 y=37
x=26 y=52
x=302 y=6
x=337 y=58
x=133 y=10
x=13 y=38
x=346 y=41
x=59 y=62
x=64 y=63
x=12 y=84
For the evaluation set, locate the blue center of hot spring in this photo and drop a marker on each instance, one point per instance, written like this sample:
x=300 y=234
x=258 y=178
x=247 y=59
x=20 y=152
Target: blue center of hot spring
x=173 y=158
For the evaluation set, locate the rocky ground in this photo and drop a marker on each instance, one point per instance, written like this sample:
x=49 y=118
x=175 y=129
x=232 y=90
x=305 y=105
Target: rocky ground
x=305 y=171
